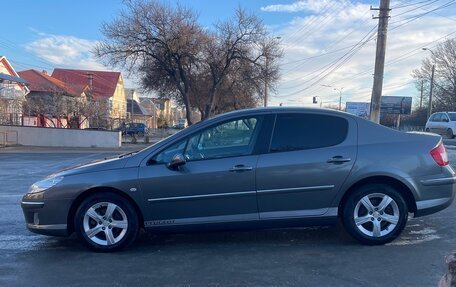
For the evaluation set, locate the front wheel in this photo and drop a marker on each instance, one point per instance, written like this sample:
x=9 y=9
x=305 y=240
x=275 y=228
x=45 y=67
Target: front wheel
x=375 y=214
x=449 y=134
x=106 y=222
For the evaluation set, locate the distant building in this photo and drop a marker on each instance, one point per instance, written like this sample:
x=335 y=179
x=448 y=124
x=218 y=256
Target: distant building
x=136 y=112
x=106 y=89
x=13 y=90
x=53 y=103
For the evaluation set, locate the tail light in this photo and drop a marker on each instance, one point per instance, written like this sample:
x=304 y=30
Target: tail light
x=440 y=155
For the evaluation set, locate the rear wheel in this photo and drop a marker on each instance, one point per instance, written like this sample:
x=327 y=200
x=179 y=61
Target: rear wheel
x=427 y=130
x=106 y=222
x=449 y=134
x=375 y=214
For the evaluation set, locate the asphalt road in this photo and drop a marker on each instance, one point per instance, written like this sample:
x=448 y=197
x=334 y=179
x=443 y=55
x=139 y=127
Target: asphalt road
x=323 y=256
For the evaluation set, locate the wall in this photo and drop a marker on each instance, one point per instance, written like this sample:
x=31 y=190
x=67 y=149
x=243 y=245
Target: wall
x=119 y=101
x=37 y=136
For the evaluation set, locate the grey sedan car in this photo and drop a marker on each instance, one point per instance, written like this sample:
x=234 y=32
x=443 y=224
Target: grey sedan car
x=258 y=168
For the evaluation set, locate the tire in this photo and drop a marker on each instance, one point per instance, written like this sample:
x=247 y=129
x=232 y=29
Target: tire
x=427 y=130
x=113 y=231
x=376 y=229
x=449 y=134
x=140 y=134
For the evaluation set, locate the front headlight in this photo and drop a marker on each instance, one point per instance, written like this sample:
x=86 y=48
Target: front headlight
x=45 y=184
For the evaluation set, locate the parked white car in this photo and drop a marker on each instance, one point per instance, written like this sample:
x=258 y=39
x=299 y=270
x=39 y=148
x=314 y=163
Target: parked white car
x=443 y=123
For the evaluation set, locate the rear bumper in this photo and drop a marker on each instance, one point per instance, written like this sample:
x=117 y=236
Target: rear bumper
x=444 y=190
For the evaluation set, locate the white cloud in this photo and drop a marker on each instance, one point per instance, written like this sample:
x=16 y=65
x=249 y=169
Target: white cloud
x=317 y=33
x=302 y=5
x=63 y=51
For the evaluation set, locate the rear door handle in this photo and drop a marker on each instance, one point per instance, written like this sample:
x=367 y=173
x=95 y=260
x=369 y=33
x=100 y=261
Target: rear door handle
x=338 y=159
x=240 y=168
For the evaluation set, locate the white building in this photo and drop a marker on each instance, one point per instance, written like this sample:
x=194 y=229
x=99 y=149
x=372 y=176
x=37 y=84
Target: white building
x=13 y=90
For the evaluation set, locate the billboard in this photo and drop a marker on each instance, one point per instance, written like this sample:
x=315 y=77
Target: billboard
x=360 y=109
x=396 y=105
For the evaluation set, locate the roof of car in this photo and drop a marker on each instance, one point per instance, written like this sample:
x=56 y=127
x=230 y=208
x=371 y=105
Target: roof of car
x=279 y=109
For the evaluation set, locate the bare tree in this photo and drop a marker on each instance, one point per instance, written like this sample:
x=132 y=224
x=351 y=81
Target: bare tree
x=160 y=42
x=181 y=60
x=444 y=58
x=241 y=41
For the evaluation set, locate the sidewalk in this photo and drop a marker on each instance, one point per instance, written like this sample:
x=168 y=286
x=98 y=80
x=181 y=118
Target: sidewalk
x=38 y=149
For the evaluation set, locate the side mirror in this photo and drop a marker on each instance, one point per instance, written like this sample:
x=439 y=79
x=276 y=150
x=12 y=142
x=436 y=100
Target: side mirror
x=177 y=161
x=446 y=120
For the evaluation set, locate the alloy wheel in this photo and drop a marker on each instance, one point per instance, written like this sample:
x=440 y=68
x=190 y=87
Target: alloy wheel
x=105 y=223
x=376 y=214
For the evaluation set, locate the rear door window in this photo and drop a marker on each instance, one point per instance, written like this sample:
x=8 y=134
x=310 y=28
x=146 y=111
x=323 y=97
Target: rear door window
x=307 y=131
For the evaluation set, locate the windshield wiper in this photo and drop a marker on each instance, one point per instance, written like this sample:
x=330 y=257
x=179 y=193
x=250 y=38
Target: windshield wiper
x=128 y=153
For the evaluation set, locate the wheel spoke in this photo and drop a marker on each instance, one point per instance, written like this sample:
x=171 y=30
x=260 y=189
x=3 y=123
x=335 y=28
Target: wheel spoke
x=361 y=220
x=109 y=236
x=119 y=224
x=393 y=219
x=94 y=231
x=92 y=213
x=110 y=210
x=377 y=228
x=384 y=203
x=367 y=203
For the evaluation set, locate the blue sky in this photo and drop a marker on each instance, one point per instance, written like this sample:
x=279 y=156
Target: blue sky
x=316 y=34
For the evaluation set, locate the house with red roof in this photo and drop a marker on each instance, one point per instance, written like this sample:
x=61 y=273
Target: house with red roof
x=13 y=90
x=106 y=89
x=53 y=103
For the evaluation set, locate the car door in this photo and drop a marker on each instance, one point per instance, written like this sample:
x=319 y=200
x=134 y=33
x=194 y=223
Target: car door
x=431 y=123
x=216 y=183
x=309 y=158
x=436 y=123
x=444 y=124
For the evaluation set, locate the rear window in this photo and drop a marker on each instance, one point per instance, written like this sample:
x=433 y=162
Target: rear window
x=452 y=116
x=307 y=131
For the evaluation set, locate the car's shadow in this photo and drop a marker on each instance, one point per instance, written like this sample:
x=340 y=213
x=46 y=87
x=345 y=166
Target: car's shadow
x=150 y=242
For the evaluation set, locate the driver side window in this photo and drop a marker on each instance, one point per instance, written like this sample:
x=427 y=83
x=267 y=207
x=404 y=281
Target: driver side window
x=234 y=138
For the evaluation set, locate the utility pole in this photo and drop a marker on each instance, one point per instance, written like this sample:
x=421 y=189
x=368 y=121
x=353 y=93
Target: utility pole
x=431 y=91
x=266 y=83
x=421 y=97
x=383 y=18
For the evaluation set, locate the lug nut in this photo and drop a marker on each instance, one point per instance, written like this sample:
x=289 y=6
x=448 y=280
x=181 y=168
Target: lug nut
x=372 y=219
x=99 y=222
x=379 y=219
x=103 y=228
x=109 y=227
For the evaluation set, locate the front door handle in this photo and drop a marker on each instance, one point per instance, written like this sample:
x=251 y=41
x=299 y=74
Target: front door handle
x=240 y=168
x=338 y=160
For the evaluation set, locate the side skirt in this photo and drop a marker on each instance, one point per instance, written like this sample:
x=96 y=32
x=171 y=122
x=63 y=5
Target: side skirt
x=238 y=222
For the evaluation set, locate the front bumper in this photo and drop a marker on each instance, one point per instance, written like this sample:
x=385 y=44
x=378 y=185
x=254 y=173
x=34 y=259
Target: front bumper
x=443 y=189
x=46 y=217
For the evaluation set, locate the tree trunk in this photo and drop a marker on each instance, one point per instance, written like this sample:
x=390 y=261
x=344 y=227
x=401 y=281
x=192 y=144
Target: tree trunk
x=210 y=105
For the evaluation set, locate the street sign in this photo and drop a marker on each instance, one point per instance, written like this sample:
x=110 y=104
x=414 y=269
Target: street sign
x=396 y=105
x=360 y=109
